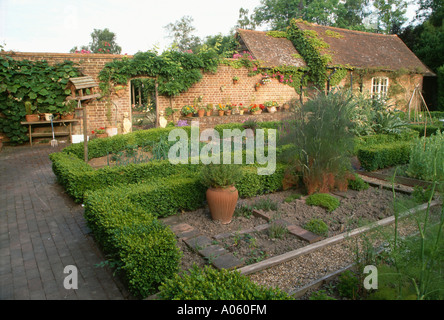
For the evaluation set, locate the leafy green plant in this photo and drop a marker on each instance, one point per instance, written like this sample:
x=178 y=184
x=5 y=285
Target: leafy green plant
x=348 y=285
x=320 y=295
x=36 y=82
x=220 y=175
x=243 y=211
x=265 y=204
x=324 y=200
x=357 y=183
x=317 y=226
x=277 y=230
x=422 y=155
x=293 y=197
x=211 y=284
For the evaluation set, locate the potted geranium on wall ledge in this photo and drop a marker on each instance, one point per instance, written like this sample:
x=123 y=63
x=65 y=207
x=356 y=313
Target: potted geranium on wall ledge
x=187 y=111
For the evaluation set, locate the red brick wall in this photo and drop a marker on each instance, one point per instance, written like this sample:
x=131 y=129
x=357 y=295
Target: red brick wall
x=89 y=65
x=219 y=88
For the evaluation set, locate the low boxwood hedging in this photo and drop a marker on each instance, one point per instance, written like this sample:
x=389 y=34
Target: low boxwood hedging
x=427 y=130
x=101 y=147
x=384 y=155
x=78 y=177
x=211 y=284
x=378 y=139
x=144 y=250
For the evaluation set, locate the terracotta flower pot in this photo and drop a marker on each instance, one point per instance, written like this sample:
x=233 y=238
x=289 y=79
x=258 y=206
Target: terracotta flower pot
x=221 y=112
x=222 y=203
x=101 y=135
x=68 y=116
x=32 y=117
x=227 y=112
x=189 y=115
x=209 y=113
x=201 y=113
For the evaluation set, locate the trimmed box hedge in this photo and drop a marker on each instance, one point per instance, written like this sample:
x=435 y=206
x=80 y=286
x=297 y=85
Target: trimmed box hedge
x=144 y=250
x=384 y=155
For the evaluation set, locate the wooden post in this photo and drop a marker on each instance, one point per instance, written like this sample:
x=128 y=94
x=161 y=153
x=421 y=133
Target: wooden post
x=85 y=135
x=157 y=105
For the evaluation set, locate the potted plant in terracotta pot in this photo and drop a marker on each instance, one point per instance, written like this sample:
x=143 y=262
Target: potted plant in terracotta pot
x=67 y=112
x=235 y=79
x=228 y=109
x=209 y=110
x=30 y=115
x=201 y=111
x=187 y=111
x=221 y=194
x=221 y=109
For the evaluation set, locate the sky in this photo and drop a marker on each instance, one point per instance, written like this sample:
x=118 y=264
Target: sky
x=58 y=26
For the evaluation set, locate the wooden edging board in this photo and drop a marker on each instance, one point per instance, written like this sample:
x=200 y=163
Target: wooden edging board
x=252 y=268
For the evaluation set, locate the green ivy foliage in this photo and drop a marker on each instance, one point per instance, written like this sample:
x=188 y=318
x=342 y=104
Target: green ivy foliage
x=176 y=71
x=41 y=84
x=308 y=46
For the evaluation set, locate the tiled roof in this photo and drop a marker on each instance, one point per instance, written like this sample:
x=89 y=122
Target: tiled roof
x=271 y=51
x=347 y=47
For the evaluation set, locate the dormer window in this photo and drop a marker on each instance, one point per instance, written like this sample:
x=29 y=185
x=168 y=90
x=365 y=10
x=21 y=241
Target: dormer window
x=380 y=87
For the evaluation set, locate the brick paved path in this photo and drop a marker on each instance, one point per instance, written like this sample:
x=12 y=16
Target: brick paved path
x=41 y=231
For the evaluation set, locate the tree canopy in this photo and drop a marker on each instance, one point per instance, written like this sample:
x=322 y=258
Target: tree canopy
x=102 y=41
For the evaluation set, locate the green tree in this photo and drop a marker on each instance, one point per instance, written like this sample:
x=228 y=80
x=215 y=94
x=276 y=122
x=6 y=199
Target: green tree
x=181 y=32
x=339 y=13
x=390 y=15
x=103 y=41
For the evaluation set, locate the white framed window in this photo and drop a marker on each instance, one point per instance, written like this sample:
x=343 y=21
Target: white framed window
x=380 y=87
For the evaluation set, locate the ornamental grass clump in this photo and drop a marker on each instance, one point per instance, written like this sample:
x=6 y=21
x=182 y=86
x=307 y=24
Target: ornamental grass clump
x=323 y=142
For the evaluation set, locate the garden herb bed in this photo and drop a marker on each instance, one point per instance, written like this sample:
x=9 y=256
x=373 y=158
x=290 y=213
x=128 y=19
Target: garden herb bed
x=357 y=208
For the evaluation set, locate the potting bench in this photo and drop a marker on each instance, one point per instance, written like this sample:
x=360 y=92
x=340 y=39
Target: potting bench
x=32 y=134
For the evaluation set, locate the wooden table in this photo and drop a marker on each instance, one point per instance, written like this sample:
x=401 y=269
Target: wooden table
x=48 y=123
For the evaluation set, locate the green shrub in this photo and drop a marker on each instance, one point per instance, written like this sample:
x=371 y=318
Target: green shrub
x=160 y=197
x=428 y=131
x=148 y=254
x=384 y=155
x=293 y=197
x=211 y=284
x=220 y=175
x=422 y=158
x=317 y=226
x=378 y=139
x=77 y=177
x=348 y=285
x=265 y=204
x=101 y=147
x=357 y=183
x=324 y=200
x=143 y=248
x=320 y=295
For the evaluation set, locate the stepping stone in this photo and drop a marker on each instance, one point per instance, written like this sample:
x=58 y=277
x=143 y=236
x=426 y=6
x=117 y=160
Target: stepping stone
x=226 y=261
x=199 y=242
x=184 y=231
x=213 y=251
x=261 y=227
x=261 y=214
x=169 y=221
x=303 y=234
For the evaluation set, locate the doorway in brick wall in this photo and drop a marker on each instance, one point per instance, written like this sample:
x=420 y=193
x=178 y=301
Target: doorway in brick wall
x=143 y=103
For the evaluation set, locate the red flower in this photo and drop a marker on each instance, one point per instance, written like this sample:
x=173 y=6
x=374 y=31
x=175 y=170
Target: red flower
x=92 y=132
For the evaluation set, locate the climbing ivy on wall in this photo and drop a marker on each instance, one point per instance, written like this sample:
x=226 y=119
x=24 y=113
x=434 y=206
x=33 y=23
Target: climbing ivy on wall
x=176 y=71
x=39 y=83
x=309 y=45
